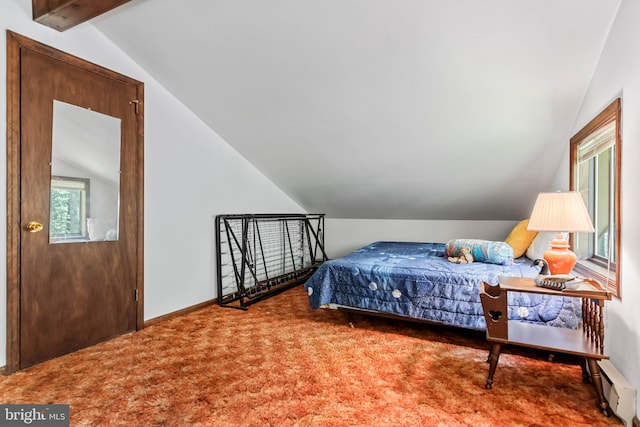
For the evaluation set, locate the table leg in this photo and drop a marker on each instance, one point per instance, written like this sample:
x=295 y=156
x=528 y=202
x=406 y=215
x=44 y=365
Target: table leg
x=494 y=355
x=586 y=376
x=596 y=379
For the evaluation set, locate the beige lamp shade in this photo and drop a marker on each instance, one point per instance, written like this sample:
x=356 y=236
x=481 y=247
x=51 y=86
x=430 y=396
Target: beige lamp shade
x=560 y=211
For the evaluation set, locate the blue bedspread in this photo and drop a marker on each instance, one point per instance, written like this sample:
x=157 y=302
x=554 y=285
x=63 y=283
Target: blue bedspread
x=416 y=280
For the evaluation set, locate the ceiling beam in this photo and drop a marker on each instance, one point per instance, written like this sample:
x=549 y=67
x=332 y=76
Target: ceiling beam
x=64 y=14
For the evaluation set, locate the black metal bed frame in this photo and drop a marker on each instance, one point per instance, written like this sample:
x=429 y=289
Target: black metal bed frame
x=260 y=255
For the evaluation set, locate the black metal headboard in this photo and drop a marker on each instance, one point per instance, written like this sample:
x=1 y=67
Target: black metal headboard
x=259 y=255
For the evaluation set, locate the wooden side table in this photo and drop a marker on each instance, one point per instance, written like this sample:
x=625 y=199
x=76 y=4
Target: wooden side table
x=587 y=342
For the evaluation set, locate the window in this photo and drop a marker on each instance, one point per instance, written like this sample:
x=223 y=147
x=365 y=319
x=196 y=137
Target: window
x=595 y=172
x=69 y=208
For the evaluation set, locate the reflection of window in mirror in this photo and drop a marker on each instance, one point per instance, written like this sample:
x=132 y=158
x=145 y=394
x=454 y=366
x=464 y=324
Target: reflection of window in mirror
x=69 y=208
x=86 y=144
x=595 y=172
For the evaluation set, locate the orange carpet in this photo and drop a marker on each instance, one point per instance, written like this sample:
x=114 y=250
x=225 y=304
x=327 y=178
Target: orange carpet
x=282 y=364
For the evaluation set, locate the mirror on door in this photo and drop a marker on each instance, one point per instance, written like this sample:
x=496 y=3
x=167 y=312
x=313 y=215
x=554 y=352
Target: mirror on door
x=85 y=175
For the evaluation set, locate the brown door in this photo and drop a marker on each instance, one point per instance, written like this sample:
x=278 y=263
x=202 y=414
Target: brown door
x=75 y=292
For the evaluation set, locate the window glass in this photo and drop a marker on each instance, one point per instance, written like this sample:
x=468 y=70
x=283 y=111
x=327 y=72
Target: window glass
x=595 y=173
x=69 y=208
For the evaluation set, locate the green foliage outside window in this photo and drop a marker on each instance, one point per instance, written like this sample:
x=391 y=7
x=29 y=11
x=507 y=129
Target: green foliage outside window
x=68 y=210
x=65 y=213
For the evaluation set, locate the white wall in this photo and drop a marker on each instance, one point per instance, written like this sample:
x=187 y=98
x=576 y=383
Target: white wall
x=343 y=236
x=191 y=174
x=618 y=74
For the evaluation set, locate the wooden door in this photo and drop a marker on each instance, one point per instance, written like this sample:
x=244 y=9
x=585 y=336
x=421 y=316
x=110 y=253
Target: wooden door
x=72 y=294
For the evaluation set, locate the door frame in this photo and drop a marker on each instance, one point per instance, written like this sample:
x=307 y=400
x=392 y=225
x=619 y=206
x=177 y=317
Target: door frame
x=16 y=42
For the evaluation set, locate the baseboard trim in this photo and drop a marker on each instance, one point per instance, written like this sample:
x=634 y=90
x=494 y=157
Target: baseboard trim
x=178 y=313
x=636 y=421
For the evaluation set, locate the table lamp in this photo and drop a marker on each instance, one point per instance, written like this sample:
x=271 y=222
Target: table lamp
x=560 y=212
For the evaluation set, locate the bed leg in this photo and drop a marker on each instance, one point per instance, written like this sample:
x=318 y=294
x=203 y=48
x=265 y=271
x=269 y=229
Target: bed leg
x=349 y=320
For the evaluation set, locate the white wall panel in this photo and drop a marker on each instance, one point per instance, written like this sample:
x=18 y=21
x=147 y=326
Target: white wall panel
x=346 y=235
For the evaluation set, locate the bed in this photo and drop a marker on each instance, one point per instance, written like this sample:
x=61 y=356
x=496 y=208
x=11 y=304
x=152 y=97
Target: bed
x=416 y=281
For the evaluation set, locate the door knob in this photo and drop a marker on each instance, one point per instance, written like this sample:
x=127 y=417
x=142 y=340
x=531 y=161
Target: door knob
x=34 y=227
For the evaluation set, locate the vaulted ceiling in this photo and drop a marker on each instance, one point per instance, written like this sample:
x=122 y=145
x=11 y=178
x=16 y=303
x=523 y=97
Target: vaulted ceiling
x=413 y=109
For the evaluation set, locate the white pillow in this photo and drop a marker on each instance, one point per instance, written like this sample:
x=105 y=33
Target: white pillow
x=99 y=227
x=541 y=243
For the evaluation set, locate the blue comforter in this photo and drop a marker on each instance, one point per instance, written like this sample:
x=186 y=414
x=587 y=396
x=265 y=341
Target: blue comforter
x=417 y=281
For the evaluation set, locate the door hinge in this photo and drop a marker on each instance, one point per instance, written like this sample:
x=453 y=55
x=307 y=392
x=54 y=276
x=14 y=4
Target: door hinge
x=136 y=102
x=135 y=294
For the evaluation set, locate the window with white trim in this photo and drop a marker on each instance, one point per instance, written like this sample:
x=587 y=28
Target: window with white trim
x=69 y=208
x=595 y=173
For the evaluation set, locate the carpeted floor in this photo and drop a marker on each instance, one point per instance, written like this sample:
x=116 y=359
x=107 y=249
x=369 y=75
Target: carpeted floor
x=282 y=364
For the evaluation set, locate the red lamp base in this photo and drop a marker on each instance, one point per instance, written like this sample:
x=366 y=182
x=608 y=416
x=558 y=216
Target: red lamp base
x=560 y=258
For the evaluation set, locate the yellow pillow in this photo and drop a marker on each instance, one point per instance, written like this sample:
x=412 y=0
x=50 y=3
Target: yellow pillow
x=520 y=238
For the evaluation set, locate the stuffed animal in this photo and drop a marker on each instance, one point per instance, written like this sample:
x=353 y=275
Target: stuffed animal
x=465 y=256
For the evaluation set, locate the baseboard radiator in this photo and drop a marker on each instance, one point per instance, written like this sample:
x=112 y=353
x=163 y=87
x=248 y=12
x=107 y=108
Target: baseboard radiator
x=618 y=392
x=260 y=255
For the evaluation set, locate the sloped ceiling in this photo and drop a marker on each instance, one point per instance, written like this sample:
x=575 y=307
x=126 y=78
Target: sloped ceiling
x=412 y=109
